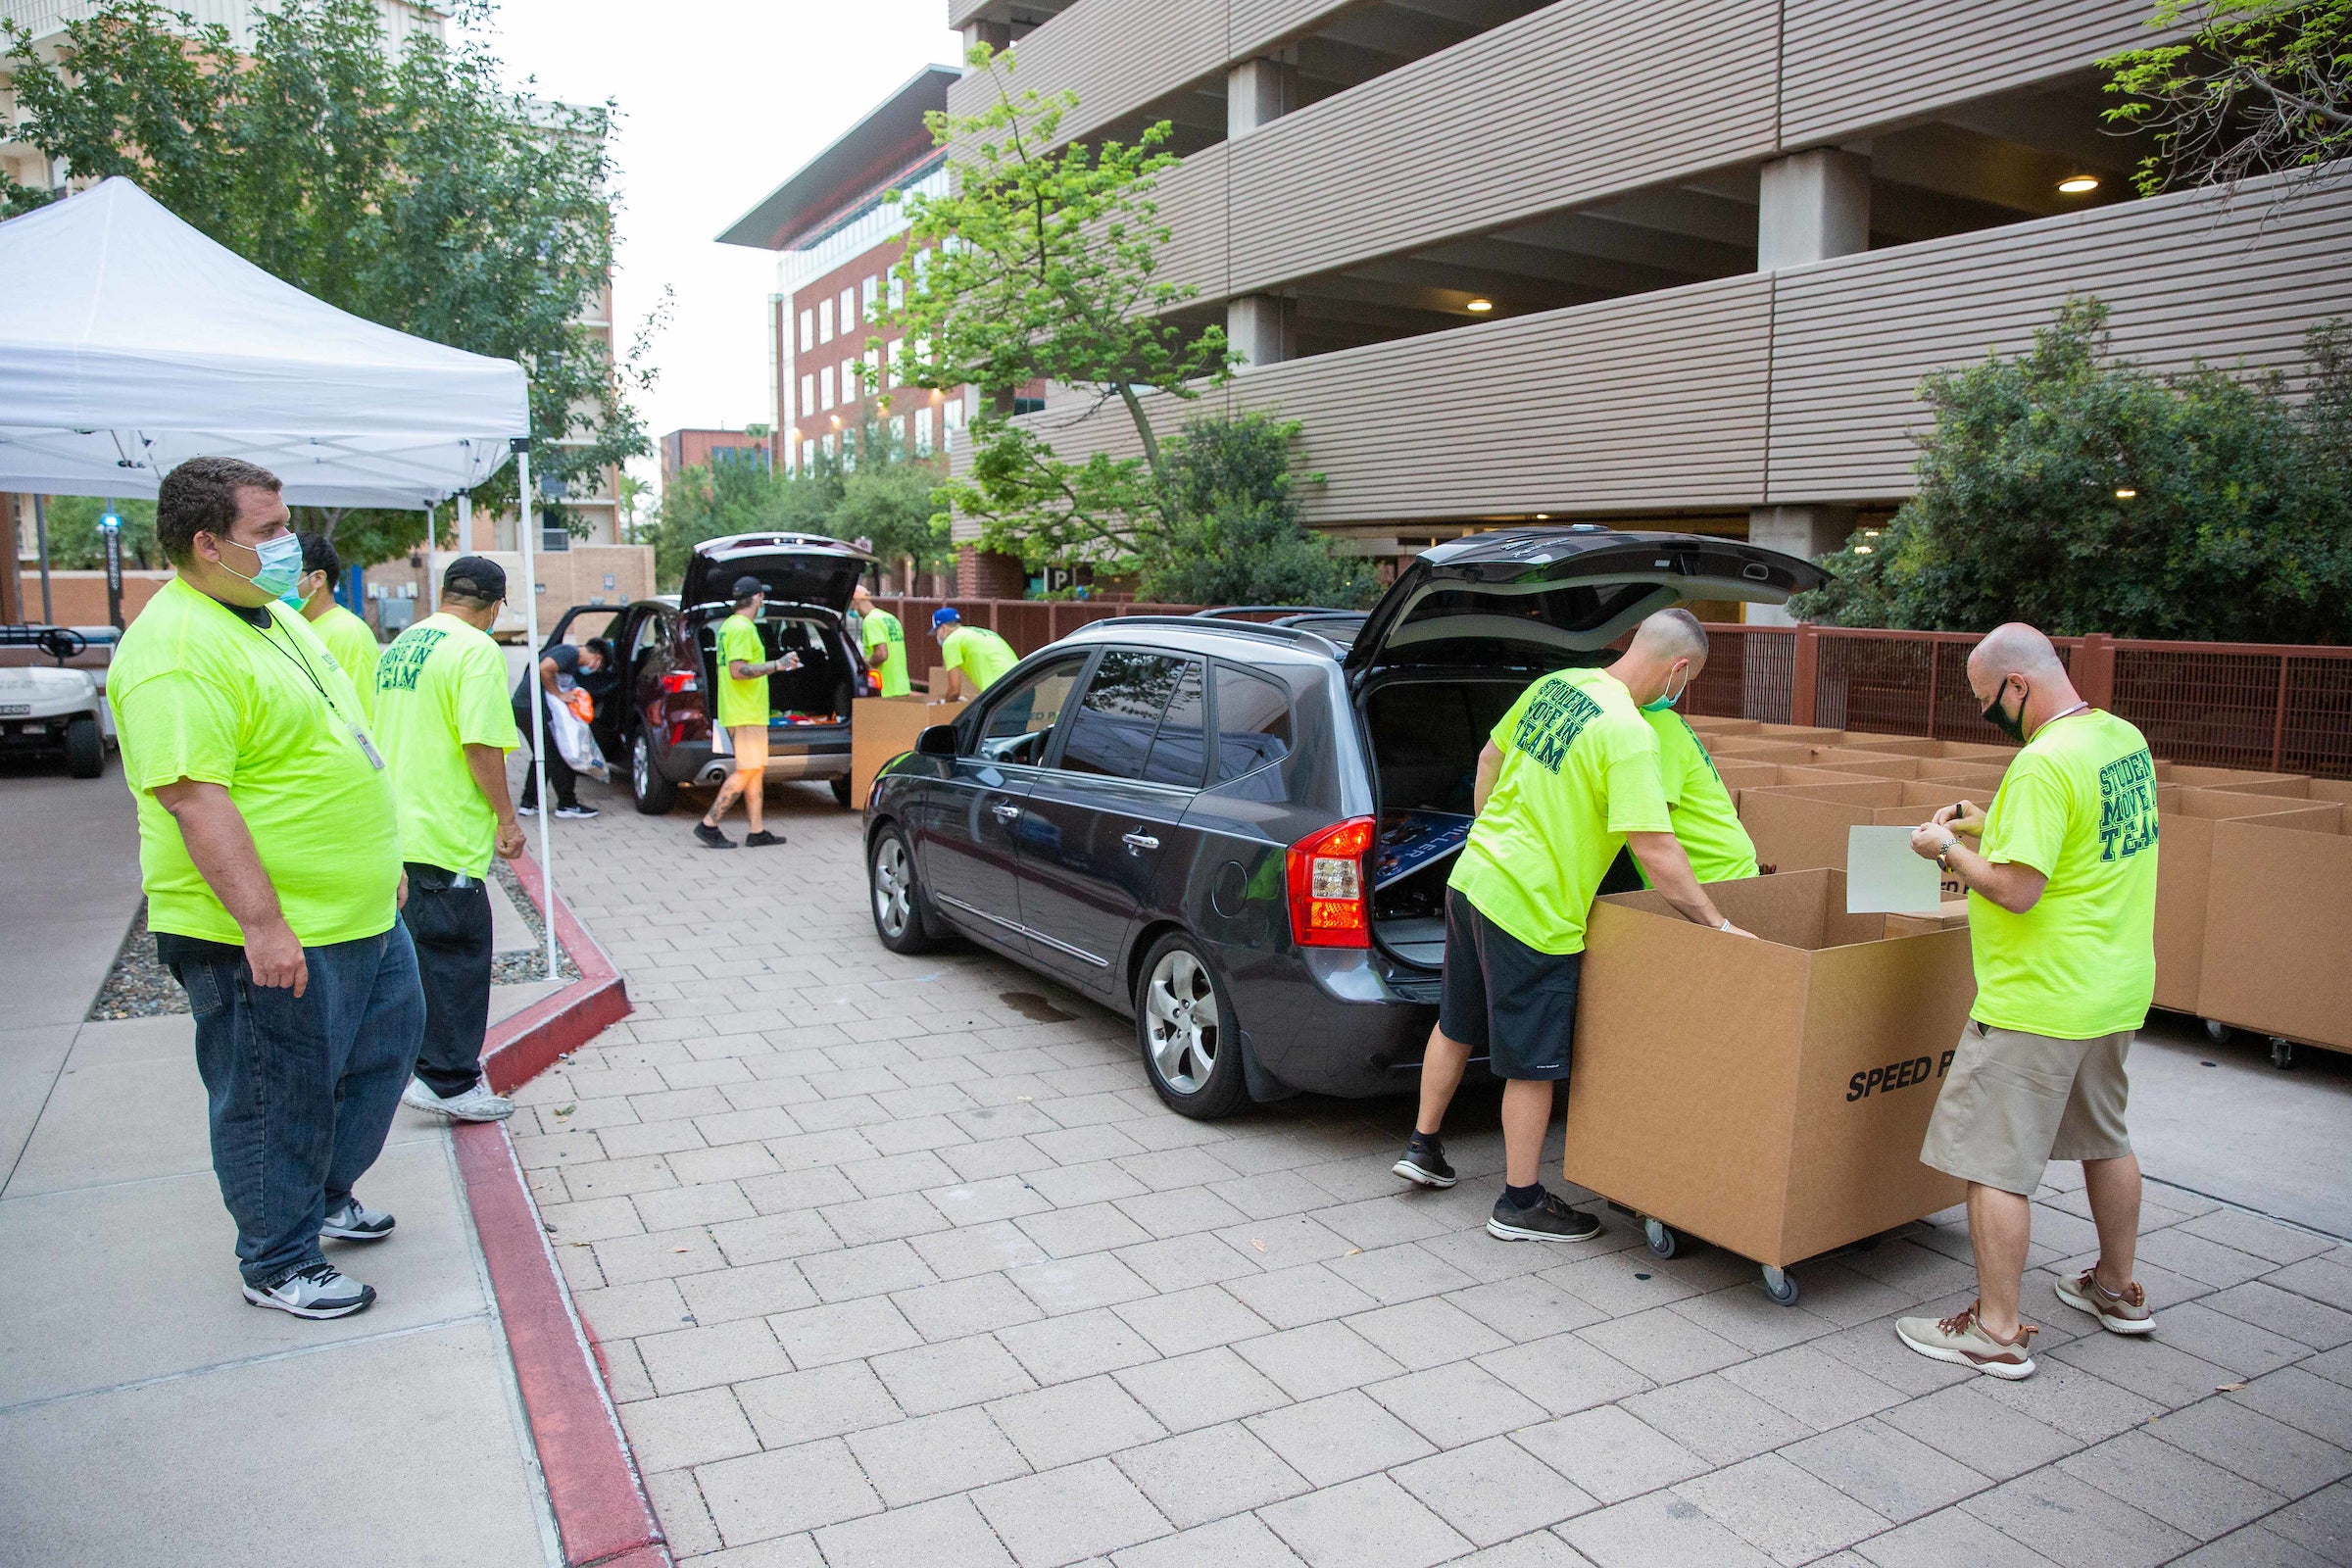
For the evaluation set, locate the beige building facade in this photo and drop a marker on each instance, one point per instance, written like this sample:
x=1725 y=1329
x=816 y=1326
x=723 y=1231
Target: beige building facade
x=1673 y=262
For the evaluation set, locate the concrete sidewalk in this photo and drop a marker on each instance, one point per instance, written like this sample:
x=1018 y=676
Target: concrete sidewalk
x=147 y=1415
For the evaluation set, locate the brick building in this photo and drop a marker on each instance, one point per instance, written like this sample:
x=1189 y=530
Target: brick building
x=703 y=449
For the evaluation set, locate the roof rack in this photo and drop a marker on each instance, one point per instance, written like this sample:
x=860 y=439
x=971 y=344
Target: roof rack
x=1224 y=612
x=1247 y=628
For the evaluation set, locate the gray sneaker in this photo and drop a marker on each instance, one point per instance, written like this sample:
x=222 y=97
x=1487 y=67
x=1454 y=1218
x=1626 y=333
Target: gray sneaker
x=476 y=1103
x=355 y=1221
x=314 y=1292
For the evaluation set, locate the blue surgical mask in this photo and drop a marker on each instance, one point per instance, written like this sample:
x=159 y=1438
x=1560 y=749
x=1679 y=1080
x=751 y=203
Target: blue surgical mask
x=1664 y=700
x=281 y=565
x=294 y=598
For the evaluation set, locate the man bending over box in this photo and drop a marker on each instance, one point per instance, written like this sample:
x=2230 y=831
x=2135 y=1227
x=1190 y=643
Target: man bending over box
x=1568 y=779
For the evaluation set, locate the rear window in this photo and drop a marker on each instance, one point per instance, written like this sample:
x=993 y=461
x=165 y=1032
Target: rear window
x=1178 y=750
x=1111 y=733
x=1254 y=722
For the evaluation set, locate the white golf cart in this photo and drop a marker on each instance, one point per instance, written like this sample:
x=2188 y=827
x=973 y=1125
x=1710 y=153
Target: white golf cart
x=56 y=709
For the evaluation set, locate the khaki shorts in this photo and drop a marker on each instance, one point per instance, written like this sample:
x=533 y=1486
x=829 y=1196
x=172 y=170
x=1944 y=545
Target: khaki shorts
x=2014 y=1102
x=751 y=747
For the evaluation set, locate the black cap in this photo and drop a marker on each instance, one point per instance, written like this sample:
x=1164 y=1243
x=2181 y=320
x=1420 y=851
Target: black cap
x=746 y=586
x=476 y=577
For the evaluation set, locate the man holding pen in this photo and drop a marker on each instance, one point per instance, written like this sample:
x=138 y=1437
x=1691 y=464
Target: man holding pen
x=2060 y=916
x=1569 y=777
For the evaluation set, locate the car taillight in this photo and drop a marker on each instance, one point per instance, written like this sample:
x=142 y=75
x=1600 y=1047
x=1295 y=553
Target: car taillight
x=1330 y=894
x=679 y=680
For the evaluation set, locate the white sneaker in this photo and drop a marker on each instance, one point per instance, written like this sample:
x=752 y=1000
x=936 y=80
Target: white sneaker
x=317 y=1290
x=526 y=810
x=355 y=1221
x=476 y=1103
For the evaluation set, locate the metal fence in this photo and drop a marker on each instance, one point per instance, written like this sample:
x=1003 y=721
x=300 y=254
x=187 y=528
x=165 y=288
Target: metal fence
x=2224 y=705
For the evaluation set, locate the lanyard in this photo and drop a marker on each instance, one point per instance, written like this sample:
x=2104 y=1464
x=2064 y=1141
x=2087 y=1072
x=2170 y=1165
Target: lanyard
x=302 y=662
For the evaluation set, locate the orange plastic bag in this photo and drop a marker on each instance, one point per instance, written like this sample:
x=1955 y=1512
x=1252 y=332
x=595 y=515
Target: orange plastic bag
x=582 y=705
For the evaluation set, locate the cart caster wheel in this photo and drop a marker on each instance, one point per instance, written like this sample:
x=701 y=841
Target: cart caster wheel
x=1780 y=1285
x=1662 y=1239
x=2282 y=1054
x=2218 y=1032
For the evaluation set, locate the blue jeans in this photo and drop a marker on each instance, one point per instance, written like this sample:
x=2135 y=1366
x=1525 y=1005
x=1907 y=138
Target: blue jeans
x=302 y=1089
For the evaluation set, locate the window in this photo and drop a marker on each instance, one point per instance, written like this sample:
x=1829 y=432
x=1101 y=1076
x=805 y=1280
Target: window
x=898 y=433
x=808 y=330
x=1111 y=734
x=807 y=394
x=1028 y=406
x=889 y=365
x=824 y=387
x=951 y=420
x=824 y=322
x=1179 y=750
x=922 y=432
x=851 y=389
x=873 y=369
x=830 y=437
x=1016 y=727
x=848 y=310
x=868 y=292
x=898 y=289
x=1253 y=730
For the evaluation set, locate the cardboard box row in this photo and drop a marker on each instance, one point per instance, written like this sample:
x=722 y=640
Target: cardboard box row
x=883 y=727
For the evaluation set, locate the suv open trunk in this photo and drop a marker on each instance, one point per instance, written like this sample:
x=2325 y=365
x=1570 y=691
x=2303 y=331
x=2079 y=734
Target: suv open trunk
x=1466 y=628
x=810 y=701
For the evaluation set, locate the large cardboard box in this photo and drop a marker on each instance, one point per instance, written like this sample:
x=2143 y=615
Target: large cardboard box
x=2279 y=925
x=884 y=727
x=2238 y=780
x=1769 y=1096
x=2185 y=861
x=1802 y=827
x=1804 y=734
x=1710 y=724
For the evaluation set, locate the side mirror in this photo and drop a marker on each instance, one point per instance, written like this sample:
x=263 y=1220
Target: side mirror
x=936 y=740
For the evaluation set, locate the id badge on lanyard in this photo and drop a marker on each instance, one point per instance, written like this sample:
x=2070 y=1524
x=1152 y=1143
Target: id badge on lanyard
x=375 y=758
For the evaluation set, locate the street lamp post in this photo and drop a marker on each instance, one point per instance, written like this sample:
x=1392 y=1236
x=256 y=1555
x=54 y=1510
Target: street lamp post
x=110 y=526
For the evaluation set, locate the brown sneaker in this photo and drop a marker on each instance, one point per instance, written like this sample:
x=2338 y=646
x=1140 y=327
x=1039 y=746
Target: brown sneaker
x=2124 y=1313
x=1964 y=1342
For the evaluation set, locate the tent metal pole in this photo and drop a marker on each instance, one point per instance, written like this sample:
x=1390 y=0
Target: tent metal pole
x=526 y=527
x=40 y=533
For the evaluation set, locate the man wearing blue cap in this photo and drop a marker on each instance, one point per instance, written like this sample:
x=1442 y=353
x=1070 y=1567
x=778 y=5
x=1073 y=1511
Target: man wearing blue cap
x=975 y=657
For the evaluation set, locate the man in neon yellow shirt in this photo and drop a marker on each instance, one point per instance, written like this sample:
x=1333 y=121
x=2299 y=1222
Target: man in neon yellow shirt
x=742 y=711
x=446 y=726
x=2062 y=921
x=269 y=853
x=976 y=657
x=1705 y=822
x=1567 y=779
x=349 y=638
x=885 y=643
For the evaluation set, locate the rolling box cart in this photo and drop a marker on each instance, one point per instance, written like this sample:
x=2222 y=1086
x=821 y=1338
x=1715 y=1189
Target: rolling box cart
x=1767 y=1095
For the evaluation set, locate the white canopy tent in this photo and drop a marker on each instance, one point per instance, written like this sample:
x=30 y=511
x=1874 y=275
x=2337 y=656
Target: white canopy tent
x=129 y=342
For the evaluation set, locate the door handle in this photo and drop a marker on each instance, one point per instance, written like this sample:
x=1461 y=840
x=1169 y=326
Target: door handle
x=1137 y=843
x=1004 y=811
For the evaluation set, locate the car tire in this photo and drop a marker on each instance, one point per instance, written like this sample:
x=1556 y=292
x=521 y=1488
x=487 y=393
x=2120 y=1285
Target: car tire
x=1186 y=1028
x=85 y=749
x=901 y=911
x=653 y=794
x=841 y=792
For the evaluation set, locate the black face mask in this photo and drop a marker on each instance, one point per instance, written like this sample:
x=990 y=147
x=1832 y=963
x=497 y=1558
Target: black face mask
x=2014 y=728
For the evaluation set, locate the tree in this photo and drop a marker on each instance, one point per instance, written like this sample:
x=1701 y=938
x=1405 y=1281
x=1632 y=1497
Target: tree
x=889 y=499
x=2253 y=87
x=411 y=189
x=77 y=544
x=2074 y=490
x=712 y=501
x=1238 y=538
x=1040 y=264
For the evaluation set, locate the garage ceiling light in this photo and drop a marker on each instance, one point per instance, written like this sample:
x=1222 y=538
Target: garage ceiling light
x=2079 y=184
x=1480 y=306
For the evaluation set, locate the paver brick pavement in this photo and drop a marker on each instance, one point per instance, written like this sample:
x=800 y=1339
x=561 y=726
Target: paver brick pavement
x=899 y=1260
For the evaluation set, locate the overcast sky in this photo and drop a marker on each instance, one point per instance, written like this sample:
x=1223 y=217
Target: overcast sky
x=720 y=100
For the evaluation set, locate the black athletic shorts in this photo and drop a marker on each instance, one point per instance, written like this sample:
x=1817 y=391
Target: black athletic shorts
x=1503 y=997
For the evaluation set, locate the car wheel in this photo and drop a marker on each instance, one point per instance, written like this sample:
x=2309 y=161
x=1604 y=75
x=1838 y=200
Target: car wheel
x=654 y=795
x=1185 y=1025
x=898 y=895
x=85 y=749
x=841 y=792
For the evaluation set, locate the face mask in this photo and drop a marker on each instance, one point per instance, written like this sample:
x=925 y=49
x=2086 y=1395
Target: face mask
x=281 y=565
x=294 y=598
x=1665 y=700
x=2014 y=728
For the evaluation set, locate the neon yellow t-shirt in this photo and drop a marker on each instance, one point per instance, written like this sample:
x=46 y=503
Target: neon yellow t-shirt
x=879 y=626
x=353 y=643
x=1699 y=806
x=982 y=656
x=440 y=688
x=741 y=702
x=201 y=694
x=1579 y=771
x=2079 y=806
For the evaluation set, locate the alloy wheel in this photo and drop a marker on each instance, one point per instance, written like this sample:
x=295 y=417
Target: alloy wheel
x=641 y=767
x=893 y=888
x=1180 y=1006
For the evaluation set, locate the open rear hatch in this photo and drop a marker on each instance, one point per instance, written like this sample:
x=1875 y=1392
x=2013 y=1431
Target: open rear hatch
x=802 y=569
x=1467 y=626
x=808 y=578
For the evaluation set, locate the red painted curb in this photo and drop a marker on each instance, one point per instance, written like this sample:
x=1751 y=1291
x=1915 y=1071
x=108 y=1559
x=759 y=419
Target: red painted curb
x=591 y=1483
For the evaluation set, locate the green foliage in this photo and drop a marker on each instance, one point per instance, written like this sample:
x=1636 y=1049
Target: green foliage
x=1040 y=264
x=77 y=544
x=711 y=502
x=1238 y=537
x=2250 y=88
x=411 y=189
x=2237 y=525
